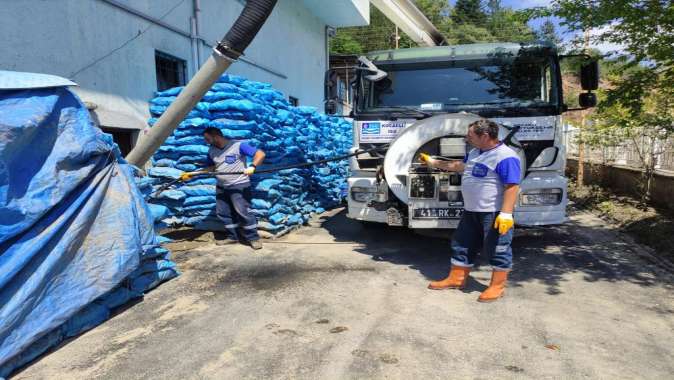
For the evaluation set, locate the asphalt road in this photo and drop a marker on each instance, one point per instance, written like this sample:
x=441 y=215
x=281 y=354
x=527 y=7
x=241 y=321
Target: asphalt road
x=337 y=300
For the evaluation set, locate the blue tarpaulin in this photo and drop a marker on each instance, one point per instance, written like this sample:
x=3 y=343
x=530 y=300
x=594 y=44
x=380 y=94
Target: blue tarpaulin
x=73 y=224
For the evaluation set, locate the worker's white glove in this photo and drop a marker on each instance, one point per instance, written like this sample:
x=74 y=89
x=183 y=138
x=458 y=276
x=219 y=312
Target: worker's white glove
x=249 y=170
x=504 y=222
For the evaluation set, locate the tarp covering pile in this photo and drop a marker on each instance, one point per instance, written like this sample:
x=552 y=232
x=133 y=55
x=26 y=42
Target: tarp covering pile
x=76 y=236
x=255 y=112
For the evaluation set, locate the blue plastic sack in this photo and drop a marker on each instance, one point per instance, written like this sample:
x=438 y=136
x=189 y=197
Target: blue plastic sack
x=188 y=167
x=268 y=184
x=287 y=134
x=150 y=281
x=154 y=253
x=92 y=315
x=199 y=207
x=185 y=149
x=234 y=134
x=197 y=190
x=176 y=195
x=224 y=123
x=260 y=204
x=270 y=227
x=164 y=172
x=203 y=199
x=235 y=105
x=117 y=297
x=278 y=218
x=158 y=211
x=150 y=266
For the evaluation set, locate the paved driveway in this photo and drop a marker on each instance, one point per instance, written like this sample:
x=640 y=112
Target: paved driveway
x=341 y=301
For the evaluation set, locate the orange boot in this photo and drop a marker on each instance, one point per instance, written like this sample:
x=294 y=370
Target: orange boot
x=456 y=279
x=496 y=288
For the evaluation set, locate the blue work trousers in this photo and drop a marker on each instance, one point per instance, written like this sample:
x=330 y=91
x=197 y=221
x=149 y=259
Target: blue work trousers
x=233 y=208
x=476 y=233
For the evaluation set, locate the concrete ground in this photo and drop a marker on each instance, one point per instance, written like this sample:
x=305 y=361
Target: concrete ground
x=337 y=300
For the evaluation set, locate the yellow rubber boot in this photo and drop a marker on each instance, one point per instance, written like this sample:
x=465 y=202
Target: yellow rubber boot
x=496 y=288
x=456 y=279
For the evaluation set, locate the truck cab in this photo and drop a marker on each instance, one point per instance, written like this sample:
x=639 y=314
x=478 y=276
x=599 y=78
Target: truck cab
x=410 y=101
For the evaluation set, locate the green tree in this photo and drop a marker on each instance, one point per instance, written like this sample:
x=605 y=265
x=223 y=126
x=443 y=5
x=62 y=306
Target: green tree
x=379 y=35
x=470 y=34
x=645 y=123
x=345 y=43
x=469 y=12
x=645 y=29
x=548 y=32
x=437 y=11
x=493 y=6
x=473 y=25
x=508 y=25
x=638 y=101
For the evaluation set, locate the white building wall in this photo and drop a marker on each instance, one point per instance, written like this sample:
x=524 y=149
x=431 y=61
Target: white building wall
x=291 y=45
x=110 y=52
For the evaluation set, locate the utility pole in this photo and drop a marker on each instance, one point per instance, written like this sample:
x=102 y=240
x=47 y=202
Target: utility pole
x=583 y=115
x=397 y=37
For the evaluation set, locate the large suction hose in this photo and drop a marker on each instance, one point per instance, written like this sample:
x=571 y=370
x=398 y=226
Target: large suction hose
x=224 y=54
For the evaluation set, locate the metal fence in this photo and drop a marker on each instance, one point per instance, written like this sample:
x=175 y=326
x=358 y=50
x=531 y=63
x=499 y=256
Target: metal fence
x=625 y=153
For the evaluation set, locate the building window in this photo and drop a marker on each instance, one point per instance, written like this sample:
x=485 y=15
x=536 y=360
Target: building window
x=123 y=137
x=170 y=71
x=293 y=101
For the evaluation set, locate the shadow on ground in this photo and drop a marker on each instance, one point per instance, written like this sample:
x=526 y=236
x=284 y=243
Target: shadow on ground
x=544 y=255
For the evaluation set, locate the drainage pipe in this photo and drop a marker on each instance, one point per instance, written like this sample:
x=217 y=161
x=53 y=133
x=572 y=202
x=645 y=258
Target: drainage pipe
x=224 y=54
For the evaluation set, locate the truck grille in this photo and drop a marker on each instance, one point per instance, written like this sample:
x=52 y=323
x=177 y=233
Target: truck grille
x=422 y=187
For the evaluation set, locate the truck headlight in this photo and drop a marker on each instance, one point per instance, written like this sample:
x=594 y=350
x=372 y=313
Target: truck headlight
x=366 y=194
x=541 y=197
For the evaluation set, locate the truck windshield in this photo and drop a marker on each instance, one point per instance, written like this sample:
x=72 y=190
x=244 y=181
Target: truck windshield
x=459 y=85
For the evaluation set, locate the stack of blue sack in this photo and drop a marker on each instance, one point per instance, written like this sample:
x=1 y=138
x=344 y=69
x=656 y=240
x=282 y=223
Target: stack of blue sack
x=252 y=111
x=77 y=239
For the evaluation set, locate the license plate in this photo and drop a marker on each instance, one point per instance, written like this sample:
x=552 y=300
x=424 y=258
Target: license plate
x=437 y=213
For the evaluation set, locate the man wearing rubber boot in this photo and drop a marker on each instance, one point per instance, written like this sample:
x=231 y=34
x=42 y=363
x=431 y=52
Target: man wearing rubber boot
x=489 y=185
x=233 y=193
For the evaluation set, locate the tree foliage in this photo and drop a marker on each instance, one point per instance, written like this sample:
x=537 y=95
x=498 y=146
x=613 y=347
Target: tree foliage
x=469 y=12
x=646 y=31
x=470 y=21
x=379 y=35
x=548 y=32
x=637 y=105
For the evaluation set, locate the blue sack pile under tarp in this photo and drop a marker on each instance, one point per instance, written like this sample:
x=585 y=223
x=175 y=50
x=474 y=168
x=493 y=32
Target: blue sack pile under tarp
x=76 y=237
x=248 y=110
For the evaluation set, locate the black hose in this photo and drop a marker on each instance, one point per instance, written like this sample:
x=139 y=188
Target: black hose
x=300 y=165
x=251 y=19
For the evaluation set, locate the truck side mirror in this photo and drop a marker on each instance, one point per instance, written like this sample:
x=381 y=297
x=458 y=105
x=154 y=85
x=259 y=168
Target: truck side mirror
x=587 y=100
x=331 y=107
x=331 y=83
x=589 y=76
x=331 y=91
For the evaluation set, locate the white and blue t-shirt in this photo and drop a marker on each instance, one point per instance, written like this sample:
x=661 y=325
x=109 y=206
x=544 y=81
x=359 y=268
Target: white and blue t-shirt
x=231 y=159
x=485 y=175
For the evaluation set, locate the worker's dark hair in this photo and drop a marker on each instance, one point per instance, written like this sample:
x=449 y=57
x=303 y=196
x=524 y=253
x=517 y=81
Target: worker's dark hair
x=483 y=126
x=213 y=131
